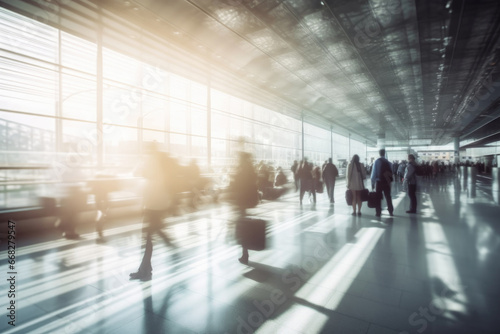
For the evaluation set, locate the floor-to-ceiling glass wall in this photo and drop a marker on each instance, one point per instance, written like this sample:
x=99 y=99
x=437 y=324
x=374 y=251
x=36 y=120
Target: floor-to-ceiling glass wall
x=71 y=104
x=317 y=144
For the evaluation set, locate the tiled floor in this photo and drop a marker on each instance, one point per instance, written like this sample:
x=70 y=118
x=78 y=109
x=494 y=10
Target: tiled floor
x=325 y=271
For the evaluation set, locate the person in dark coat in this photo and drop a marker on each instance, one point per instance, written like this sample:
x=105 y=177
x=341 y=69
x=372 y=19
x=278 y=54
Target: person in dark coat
x=306 y=179
x=281 y=179
x=411 y=179
x=329 y=174
x=245 y=191
x=382 y=178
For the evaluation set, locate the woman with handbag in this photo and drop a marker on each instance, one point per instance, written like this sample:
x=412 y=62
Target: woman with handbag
x=356 y=175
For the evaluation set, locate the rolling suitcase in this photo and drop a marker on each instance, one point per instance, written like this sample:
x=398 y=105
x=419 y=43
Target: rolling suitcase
x=372 y=199
x=251 y=233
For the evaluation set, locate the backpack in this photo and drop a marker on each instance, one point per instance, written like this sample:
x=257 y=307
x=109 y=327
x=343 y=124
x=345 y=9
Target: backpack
x=386 y=172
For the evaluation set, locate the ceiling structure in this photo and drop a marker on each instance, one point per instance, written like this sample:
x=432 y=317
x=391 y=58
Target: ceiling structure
x=412 y=72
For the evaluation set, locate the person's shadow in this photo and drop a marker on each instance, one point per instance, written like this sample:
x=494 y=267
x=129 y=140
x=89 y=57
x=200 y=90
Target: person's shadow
x=154 y=321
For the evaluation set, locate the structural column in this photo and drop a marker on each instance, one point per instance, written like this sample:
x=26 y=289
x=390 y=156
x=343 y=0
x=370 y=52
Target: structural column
x=456 y=142
x=209 y=120
x=100 y=97
x=302 y=118
x=331 y=141
x=349 y=156
x=381 y=143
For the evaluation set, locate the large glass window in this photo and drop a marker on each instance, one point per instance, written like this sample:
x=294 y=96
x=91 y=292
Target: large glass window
x=52 y=115
x=79 y=54
x=359 y=148
x=317 y=144
x=78 y=96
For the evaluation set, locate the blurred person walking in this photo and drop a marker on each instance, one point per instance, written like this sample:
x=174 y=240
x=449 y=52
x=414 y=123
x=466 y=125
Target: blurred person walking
x=356 y=174
x=245 y=191
x=411 y=180
x=156 y=202
x=306 y=180
x=330 y=173
x=281 y=178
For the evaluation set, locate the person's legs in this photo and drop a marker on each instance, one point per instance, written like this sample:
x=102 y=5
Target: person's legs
x=327 y=185
x=165 y=238
x=332 y=191
x=412 y=189
x=145 y=266
x=152 y=223
x=244 y=251
x=378 y=207
x=360 y=202
x=244 y=256
x=302 y=190
x=354 y=200
x=387 y=194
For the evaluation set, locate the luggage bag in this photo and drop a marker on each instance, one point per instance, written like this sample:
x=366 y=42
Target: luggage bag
x=373 y=199
x=348 y=197
x=251 y=233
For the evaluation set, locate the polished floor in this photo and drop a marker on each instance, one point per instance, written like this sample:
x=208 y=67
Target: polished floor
x=324 y=271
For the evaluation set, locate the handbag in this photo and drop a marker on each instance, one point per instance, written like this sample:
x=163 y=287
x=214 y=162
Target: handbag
x=250 y=233
x=348 y=197
x=364 y=191
x=364 y=195
x=373 y=199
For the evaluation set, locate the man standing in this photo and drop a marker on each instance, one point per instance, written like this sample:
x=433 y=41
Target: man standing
x=411 y=179
x=382 y=177
x=329 y=174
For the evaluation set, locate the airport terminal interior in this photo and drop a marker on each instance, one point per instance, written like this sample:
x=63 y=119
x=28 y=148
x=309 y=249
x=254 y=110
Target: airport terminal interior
x=167 y=166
